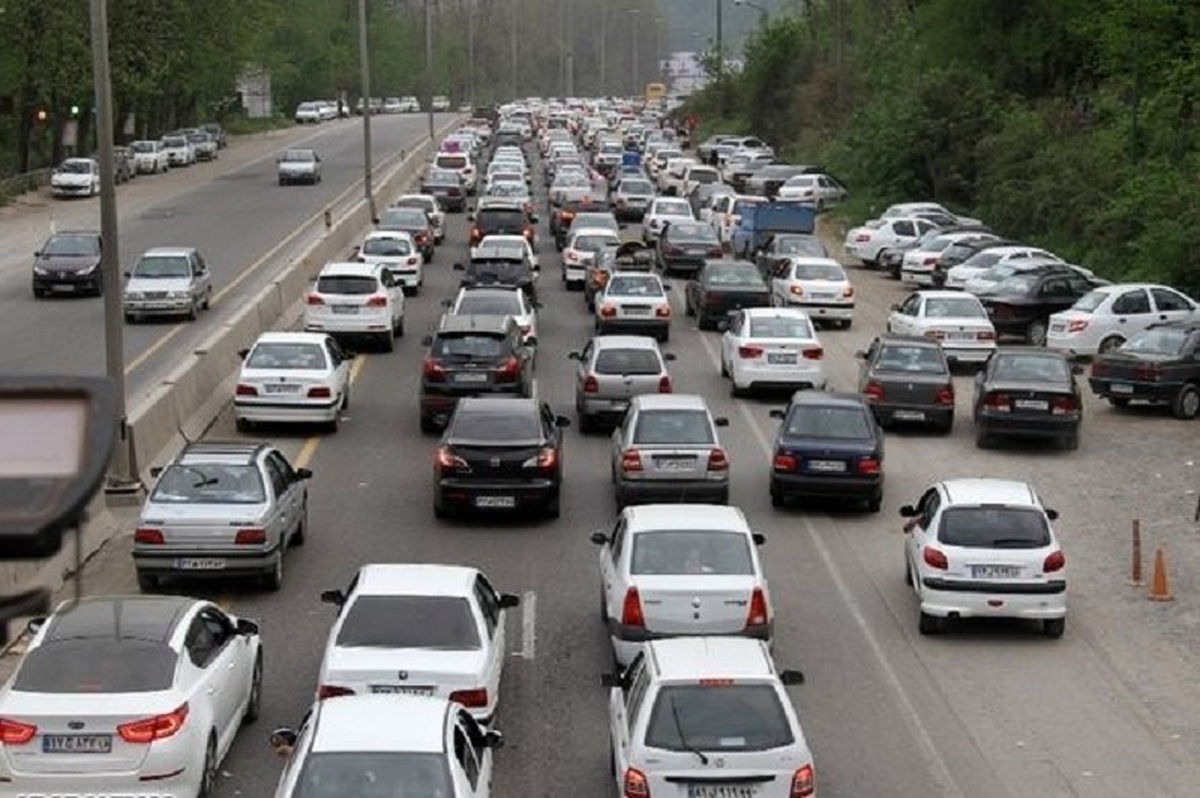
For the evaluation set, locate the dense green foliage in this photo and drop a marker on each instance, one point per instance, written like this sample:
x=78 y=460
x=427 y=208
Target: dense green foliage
x=1067 y=123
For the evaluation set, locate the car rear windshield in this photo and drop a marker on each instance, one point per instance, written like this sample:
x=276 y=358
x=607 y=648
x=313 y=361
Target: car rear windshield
x=1031 y=368
x=673 y=208
x=838 y=423
x=66 y=245
x=591 y=243
x=373 y=774
x=386 y=247
x=209 y=483
x=469 y=346
x=300 y=156
x=445 y=623
x=1157 y=342
x=475 y=304
x=685 y=427
x=349 y=284
x=910 y=359
x=496 y=218
x=635 y=286
x=819 y=271
x=719 y=717
x=451 y=161
x=286 y=356
x=97 y=665
x=734 y=274
x=689 y=231
x=637 y=188
x=780 y=327
x=628 y=361
x=517 y=426
x=404 y=218
x=994 y=528
x=954 y=308
x=676 y=552
x=502 y=272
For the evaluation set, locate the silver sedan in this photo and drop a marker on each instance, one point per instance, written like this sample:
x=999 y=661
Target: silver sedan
x=611 y=370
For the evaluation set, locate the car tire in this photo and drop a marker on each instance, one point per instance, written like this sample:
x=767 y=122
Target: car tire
x=875 y=503
x=428 y=427
x=929 y=624
x=1109 y=344
x=193 y=311
x=254 y=704
x=273 y=579
x=1054 y=627
x=734 y=391
x=207 y=299
x=724 y=368
x=664 y=336
x=983 y=439
x=1186 y=403
x=147 y=583
x=553 y=507
x=398 y=332
x=386 y=342
x=908 y=576
x=778 y=500
x=439 y=508
x=130 y=318
x=39 y=293
x=1070 y=441
x=208 y=776
x=1035 y=333
x=587 y=423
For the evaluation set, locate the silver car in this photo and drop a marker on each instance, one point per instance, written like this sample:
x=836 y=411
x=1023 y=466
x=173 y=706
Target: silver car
x=221 y=509
x=611 y=370
x=299 y=166
x=667 y=450
x=167 y=281
x=634 y=302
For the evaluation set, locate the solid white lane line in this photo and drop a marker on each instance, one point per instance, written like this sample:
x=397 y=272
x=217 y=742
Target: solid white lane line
x=528 y=626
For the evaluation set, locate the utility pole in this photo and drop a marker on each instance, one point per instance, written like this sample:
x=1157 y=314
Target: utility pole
x=603 y=49
x=720 y=42
x=471 y=52
x=512 y=31
x=123 y=482
x=633 y=47
x=364 y=66
x=429 y=65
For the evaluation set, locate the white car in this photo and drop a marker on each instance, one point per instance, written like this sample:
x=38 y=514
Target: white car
x=918 y=264
x=167 y=281
x=149 y=157
x=580 y=252
x=462 y=163
x=707 y=717
x=425 y=630
x=957 y=320
x=727 y=213
x=866 y=242
x=670 y=178
x=356 y=300
x=1110 y=315
x=677 y=570
x=818 y=285
x=115 y=693
x=772 y=348
x=984 y=548
x=664 y=210
x=659 y=162
x=308 y=113
x=396 y=251
x=341 y=748
x=821 y=190
x=505 y=245
x=917 y=208
x=292 y=377
x=981 y=262
x=985 y=283
x=697 y=174
x=635 y=303
x=498 y=301
x=180 y=151
x=76 y=177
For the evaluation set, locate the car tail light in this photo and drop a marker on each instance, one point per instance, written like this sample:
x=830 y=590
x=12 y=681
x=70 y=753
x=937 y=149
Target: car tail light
x=631 y=460
x=156 y=728
x=528 y=232
x=758 y=608
x=804 y=782
x=446 y=460
x=1055 y=561
x=377 y=301
x=1063 y=405
x=332 y=691
x=935 y=558
x=985 y=335
x=315 y=299
x=750 y=352
x=718 y=460
x=545 y=460
x=421 y=239
x=997 y=311
x=14 y=732
x=476 y=698
x=1147 y=373
x=935 y=335
x=673 y=251
x=848 y=291
x=149 y=536
x=320 y=392
x=716 y=252
x=433 y=371
x=1077 y=325
x=245 y=390
x=664 y=384
x=783 y=462
x=608 y=311
x=874 y=391
x=631 y=609
x=944 y=395
x=813 y=353
x=476 y=234
x=591 y=385
x=509 y=370
x=998 y=402
x=566 y=216
x=663 y=311
x=250 y=537
x=930 y=261
x=868 y=466
x=1099 y=369
x=572 y=256
x=796 y=290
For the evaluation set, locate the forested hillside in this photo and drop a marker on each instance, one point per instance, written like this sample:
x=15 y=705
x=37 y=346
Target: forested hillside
x=1069 y=123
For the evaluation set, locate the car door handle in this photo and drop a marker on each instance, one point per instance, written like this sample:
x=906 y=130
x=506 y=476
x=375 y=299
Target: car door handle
x=212 y=690
x=232 y=665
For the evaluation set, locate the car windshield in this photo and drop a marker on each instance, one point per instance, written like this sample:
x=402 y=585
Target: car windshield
x=718 y=717
x=198 y=138
x=443 y=623
x=639 y=188
x=346 y=284
x=673 y=427
x=493 y=426
x=386 y=247
x=634 y=285
x=442 y=176
x=627 y=361
x=209 y=483
x=143 y=146
x=739 y=274
x=954 y=308
x=76 y=167
x=174 y=141
x=468 y=346
x=97 y=665
x=910 y=359
x=1017 y=284
x=800 y=245
x=1163 y=341
x=679 y=552
x=994 y=528
x=66 y=245
x=287 y=356
x=819 y=271
x=838 y=423
x=691 y=231
x=299 y=156
x=373 y=774
x=474 y=303
x=673 y=208
x=1031 y=368
x=163 y=266
x=780 y=327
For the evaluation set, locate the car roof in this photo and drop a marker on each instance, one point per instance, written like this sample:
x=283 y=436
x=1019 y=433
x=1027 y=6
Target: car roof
x=827 y=399
x=388 y=234
x=942 y=294
x=504 y=404
x=670 y=401
x=775 y=313
x=284 y=337
x=1115 y=287
x=625 y=341
x=976 y=491
x=349 y=269
x=386 y=579
x=474 y=322
x=149 y=618
x=653 y=517
x=694 y=658
x=236 y=452
x=809 y=260
x=165 y=252
x=594 y=231
x=351 y=723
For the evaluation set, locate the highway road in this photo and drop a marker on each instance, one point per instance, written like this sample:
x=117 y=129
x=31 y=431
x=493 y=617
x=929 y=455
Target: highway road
x=990 y=710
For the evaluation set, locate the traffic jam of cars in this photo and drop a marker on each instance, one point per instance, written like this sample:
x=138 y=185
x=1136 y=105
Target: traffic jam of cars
x=644 y=227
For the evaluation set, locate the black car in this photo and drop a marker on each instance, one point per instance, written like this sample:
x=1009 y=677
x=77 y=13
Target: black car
x=829 y=445
x=1160 y=365
x=1022 y=304
x=446 y=185
x=684 y=246
x=500 y=454
x=500 y=268
x=413 y=221
x=783 y=246
x=500 y=220
x=470 y=356
x=721 y=286
x=766 y=181
x=1027 y=393
x=69 y=262
x=907 y=380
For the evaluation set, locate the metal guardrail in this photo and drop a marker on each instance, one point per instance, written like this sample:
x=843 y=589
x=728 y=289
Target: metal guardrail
x=18 y=184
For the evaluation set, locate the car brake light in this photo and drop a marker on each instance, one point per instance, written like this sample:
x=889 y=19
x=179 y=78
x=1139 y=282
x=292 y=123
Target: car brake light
x=377 y=302
x=758 y=608
x=673 y=251
x=332 y=691
x=783 y=462
x=315 y=299
x=663 y=311
x=1147 y=373
x=813 y=353
x=804 y=783
x=1099 y=369
x=848 y=291
x=545 y=460
x=631 y=609
x=868 y=466
x=631 y=460
x=250 y=537
x=716 y=252
x=528 y=232
x=718 y=460
x=998 y=402
x=433 y=371
x=245 y=390
x=874 y=391
x=985 y=335
x=796 y=290
x=930 y=261
x=750 y=352
x=320 y=392
x=149 y=536
x=935 y=335
x=476 y=698
x=1077 y=325
x=608 y=311
x=862 y=237
x=572 y=256
x=664 y=384
x=509 y=369
x=14 y=732
x=944 y=395
x=935 y=558
x=446 y=460
x=1063 y=405
x=155 y=728
x=635 y=784
x=591 y=385
x=1055 y=561
x=476 y=234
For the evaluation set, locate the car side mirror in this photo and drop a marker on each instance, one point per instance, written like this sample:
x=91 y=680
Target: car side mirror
x=508 y=600
x=721 y=421
x=669 y=356
x=34 y=624
x=791 y=677
x=446 y=303
x=613 y=680
x=245 y=626
x=894 y=307
x=303 y=474
x=493 y=738
x=156 y=471
x=458 y=267
x=127 y=275
x=335 y=597
x=777 y=413
x=562 y=422
x=599 y=538
x=908 y=511
x=1052 y=514
x=242 y=353
x=427 y=340
x=574 y=356
x=759 y=538
x=283 y=738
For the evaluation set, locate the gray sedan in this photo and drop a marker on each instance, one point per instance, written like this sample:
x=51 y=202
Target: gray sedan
x=907 y=380
x=611 y=370
x=299 y=166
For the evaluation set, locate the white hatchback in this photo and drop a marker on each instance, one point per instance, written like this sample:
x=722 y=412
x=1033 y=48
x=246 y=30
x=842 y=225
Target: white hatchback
x=984 y=548
x=663 y=210
x=396 y=251
x=772 y=348
x=292 y=377
x=426 y=630
x=818 y=285
x=580 y=252
x=956 y=320
x=356 y=300
x=1109 y=316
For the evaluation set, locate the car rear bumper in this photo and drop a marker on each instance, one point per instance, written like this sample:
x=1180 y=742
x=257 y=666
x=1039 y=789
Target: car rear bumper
x=939 y=415
x=634 y=326
x=258 y=411
x=1040 y=601
x=812 y=486
x=960 y=354
x=182 y=561
x=1028 y=426
x=627 y=641
x=495 y=495
x=826 y=310
x=749 y=377
x=1157 y=392
x=700 y=491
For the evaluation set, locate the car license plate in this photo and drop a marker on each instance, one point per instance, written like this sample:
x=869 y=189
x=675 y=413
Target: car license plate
x=1058 y=327
x=199 y=564
x=781 y=358
x=961 y=336
x=995 y=571
x=281 y=388
x=395 y=689
x=827 y=466
x=1121 y=387
x=347 y=310
x=674 y=463
x=909 y=415
x=722 y=790
x=77 y=744
x=636 y=311
x=1032 y=404
x=823 y=297
x=63 y=289
x=471 y=376
x=495 y=501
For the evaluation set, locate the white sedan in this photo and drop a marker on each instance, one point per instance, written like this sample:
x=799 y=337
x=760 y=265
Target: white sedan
x=818 y=285
x=634 y=303
x=664 y=210
x=292 y=377
x=114 y=693
x=670 y=570
x=498 y=301
x=580 y=252
x=396 y=251
x=955 y=319
x=867 y=241
x=1109 y=316
x=772 y=348
x=426 y=630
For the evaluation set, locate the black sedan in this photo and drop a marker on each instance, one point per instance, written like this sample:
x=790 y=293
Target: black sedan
x=500 y=454
x=907 y=380
x=1023 y=304
x=446 y=185
x=1160 y=365
x=684 y=246
x=1029 y=394
x=828 y=446
x=69 y=262
x=722 y=286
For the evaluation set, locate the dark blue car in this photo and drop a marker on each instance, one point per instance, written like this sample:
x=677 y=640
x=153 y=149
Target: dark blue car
x=829 y=445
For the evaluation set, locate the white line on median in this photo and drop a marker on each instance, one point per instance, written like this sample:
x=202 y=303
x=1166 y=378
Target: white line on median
x=528 y=626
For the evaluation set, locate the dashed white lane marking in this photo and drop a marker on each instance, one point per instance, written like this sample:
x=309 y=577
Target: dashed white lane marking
x=528 y=626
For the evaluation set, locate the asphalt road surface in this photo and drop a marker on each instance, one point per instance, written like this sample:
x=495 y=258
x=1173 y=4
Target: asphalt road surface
x=992 y=709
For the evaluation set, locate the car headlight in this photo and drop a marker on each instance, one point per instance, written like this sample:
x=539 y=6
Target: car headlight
x=179 y=295
x=39 y=271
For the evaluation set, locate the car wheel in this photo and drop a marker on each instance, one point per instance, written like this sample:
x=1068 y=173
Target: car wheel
x=147 y=583
x=398 y=331
x=254 y=704
x=40 y=294
x=778 y=500
x=273 y=579
x=282 y=182
x=129 y=318
x=427 y=426
x=1054 y=627
x=207 y=299
x=1118 y=401
x=208 y=776
x=1070 y=441
x=929 y=624
x=845 y=325
x=243 y=425
x=983 y=438
x=664 y=336
x=1035 y=333
x=439 y=508
x=587 y=424
x=1110 y=343
x=1187 y=402
x=299 y=536
x=734 y=391
x=875 y=503
x=702 y=321
x=554 y=507
x=908 y=577
x=193 y=311
x=386 y=343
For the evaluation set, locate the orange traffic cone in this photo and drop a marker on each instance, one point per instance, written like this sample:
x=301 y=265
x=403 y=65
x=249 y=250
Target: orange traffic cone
x=1160 y=588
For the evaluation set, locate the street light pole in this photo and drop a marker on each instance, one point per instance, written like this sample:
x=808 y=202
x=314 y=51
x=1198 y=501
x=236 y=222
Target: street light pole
x=603 y=45
x=633 y=46
x=429 y=65
x=365 y=77
x=122 y=480
x=512 y=32
x=720 y=43
x=471 y=52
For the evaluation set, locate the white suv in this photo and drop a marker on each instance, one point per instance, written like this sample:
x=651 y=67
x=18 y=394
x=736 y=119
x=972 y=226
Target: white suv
x=462 y=163
x=984 y=548
x=707 y=717
x=356 y=300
